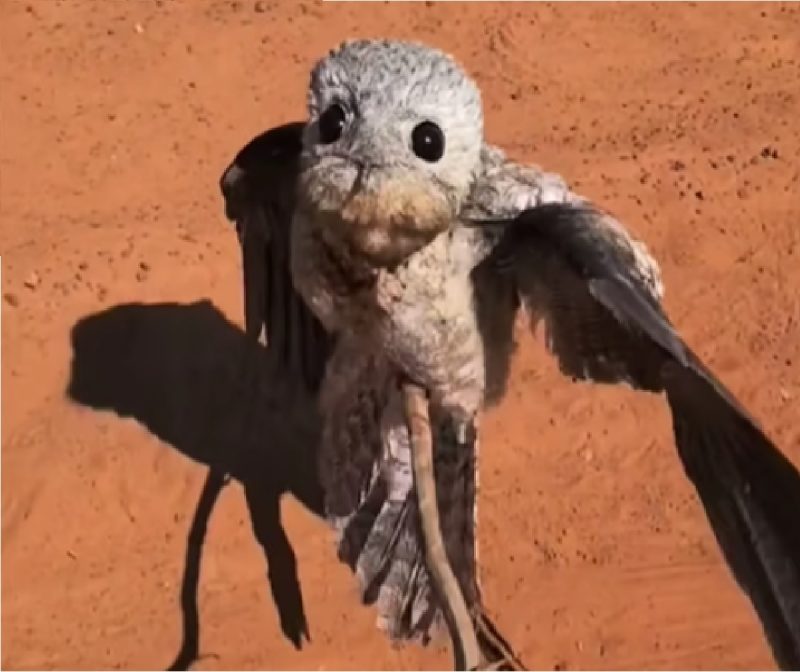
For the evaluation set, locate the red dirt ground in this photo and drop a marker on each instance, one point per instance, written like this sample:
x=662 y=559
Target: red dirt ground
x=117 y=118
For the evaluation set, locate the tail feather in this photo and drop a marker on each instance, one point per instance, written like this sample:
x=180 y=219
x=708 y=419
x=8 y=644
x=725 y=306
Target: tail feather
x=455 y=467
x=357 y=528
x=383 y=539
x=382 y=549
x=398 y=589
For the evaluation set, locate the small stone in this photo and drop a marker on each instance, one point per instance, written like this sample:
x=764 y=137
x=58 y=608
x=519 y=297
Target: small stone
x=11 y=299
x=33 y=280
x=260 y=7
x=785 y=394
x=139 y=28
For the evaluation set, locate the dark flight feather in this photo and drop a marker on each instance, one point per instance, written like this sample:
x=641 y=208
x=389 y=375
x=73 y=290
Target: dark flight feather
x=259 y=192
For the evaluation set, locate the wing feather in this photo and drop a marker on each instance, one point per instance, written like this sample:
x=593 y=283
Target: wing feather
x=576 y=270
x=259 y=192
x=255 y=261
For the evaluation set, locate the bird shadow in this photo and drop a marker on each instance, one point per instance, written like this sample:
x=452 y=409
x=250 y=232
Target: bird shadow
x=197 y=382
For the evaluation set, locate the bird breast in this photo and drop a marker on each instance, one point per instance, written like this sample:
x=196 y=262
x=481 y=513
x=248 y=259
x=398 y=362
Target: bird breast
x=427 y=322
x=419 y=315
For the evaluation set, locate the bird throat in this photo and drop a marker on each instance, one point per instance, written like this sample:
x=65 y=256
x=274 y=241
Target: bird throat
x=383 y=220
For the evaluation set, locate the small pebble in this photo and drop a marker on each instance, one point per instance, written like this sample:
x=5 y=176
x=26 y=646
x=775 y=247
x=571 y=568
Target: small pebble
x=33 y=280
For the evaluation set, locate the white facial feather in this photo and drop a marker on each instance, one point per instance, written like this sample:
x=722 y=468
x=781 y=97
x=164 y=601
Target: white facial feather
x=388 y=87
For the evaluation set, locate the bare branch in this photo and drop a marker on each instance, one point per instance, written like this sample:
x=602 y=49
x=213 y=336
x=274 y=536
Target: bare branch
x=465 y=642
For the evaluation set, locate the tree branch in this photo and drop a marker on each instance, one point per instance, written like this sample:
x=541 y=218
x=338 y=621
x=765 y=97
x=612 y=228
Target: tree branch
x=465 y=642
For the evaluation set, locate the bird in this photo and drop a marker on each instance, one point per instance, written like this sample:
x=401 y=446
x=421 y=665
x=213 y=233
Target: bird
x=385 y=241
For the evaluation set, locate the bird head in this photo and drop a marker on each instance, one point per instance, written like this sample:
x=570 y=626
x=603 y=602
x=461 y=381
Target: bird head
x=391 y=147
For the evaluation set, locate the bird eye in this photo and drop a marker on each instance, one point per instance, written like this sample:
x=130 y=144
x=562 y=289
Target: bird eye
x=427 y=141
x=331 y=124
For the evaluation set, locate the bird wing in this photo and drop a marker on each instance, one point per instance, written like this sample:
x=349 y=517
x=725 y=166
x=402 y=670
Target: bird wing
x=259 y=192
x=598 y=293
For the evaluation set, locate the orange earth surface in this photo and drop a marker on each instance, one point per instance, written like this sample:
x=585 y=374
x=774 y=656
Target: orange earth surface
x=117 y=120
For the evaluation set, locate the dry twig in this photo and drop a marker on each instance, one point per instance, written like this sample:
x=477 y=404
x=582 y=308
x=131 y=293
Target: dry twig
x=465 y=642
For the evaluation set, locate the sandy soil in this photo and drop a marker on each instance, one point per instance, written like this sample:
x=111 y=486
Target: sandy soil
x=117 y=118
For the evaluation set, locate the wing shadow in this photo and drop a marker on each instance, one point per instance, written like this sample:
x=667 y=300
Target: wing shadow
x=199 y=383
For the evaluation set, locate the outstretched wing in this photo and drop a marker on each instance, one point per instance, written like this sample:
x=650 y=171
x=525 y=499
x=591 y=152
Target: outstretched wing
x=575 y=269
x=259 y=192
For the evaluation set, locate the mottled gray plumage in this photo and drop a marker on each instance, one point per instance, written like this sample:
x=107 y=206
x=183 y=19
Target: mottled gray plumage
x=370 y=266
